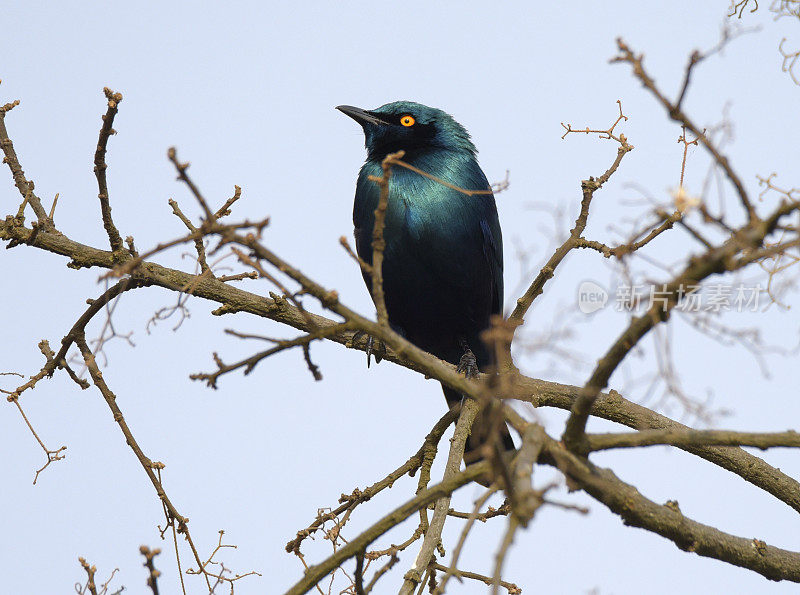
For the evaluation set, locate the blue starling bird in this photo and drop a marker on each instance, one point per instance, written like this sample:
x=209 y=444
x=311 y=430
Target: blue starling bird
x=443 y=260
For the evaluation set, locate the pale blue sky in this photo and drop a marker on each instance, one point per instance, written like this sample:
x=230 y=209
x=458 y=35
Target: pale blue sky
x=246 y=92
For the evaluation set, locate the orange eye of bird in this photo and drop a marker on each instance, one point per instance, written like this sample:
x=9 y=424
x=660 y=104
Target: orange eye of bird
x=407 y=121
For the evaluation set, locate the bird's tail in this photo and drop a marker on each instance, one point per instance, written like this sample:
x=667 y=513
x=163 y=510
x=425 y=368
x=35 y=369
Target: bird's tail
x=481 y=430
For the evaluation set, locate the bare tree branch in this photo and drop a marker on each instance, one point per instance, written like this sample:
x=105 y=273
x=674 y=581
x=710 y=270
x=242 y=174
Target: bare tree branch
x=692 y=438
x=689 y=535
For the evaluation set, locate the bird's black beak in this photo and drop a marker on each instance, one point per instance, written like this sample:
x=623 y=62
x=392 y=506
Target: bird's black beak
x=361 y=116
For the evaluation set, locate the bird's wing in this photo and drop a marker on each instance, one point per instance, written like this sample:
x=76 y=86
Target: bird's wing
x=366 y=200
x=493 y=250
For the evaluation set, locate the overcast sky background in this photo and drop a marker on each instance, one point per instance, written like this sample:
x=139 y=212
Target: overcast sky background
x=246 y=92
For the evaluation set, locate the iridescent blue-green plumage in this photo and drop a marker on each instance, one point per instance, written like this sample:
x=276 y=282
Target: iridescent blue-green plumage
x=443 y=261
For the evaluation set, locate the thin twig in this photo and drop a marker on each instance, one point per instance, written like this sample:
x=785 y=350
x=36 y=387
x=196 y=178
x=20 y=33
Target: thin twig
x=100 y=167
x=452 y=570
x=152 y=572
x=181 y=168
x=24 y=185
x=378 y=243
x=90 y=572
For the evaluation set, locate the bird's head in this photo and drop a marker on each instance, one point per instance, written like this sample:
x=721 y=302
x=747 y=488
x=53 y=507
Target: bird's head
x=409 y=126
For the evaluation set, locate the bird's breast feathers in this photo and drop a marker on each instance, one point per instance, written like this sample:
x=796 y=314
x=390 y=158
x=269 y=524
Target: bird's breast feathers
x=419 y=201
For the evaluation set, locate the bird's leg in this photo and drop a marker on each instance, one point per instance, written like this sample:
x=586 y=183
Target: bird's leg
x=374 y=346
x=468 y=364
